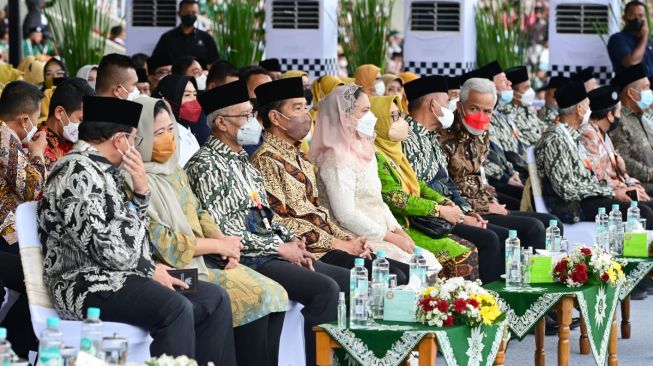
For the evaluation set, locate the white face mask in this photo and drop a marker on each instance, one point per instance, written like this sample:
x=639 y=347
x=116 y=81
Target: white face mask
x=528 y=97
x=452 y=104
x=70 y=131
x=366 y=124
x=379 y=88
x=92 y=84
x=30 y=133
x=586 y=116
x=201 y=82
x=447 y=117
x=133 y=95
x=249 y=133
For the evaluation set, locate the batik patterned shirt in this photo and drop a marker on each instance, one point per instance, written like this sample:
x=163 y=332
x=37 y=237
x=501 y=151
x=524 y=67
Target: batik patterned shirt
x=21 y=179
x=503 y=134
x=634 y=141
x=526 y=122
x=607 y=165
x=560 y=158
x=292 y=193
x=547 y=115
x=94 y=235
x=429 y=162
x=57 y=146
x=225 y=182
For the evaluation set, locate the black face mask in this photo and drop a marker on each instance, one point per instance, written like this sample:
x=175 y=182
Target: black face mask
x=614 y=124
x=308 y=94
x=188 y=20
x=634 y=25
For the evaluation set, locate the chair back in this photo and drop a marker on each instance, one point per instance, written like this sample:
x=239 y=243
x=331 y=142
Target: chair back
x=536 y=184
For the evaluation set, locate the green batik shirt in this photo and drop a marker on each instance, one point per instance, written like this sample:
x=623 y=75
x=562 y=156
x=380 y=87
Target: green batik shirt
x=547 y=116
x=525 y=121
x=633 y=138
x=560 y=160
x=225 y=194
x=423 y=151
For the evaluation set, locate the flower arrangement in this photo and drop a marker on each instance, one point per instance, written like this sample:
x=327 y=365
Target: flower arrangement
x=583 y=265
x=166 y=360
x=456 y=301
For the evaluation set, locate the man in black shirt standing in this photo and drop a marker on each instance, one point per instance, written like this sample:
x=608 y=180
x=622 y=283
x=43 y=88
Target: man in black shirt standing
x=186 y=40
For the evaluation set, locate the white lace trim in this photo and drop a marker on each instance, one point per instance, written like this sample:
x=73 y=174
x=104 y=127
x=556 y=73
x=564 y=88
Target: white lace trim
x=600 y=353
x=633 y=278
x=521 y=324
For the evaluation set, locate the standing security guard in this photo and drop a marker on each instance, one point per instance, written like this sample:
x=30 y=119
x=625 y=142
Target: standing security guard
x=186 y=40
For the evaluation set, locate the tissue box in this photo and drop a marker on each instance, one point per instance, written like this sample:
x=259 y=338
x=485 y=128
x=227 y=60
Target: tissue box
x=541 y=269
x=399 y=305
x=636 y=245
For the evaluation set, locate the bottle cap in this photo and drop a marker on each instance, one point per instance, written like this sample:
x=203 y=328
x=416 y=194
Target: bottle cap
x=359 y=261
x=380 y=254
x=615 y=206
x=341 y=296
x=633 y=204
x=52 y=322
x=93 y=313
x=553 y=222
x=512 y=233
x=3 y=333
x=417 y=250
x=601 y=210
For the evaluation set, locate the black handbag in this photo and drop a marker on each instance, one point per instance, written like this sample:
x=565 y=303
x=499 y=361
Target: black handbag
x=434 y=227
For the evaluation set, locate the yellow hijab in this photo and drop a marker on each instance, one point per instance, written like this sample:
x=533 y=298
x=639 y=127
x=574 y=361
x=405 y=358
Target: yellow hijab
x=365 y=75
x=392 y=150
x=294 y=74
x=320 y=88
x=408 y=76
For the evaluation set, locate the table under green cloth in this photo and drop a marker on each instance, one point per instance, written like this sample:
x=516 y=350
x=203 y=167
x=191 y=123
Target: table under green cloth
x=526 y=306
x=390 y=343
x=635 y=271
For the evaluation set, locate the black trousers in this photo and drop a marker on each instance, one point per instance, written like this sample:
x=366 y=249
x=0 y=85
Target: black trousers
x=590 y=207
x=196 y=324
x=530 y=226
x=317 y=291
x=509 y=195
x=346 y=260
x=257 y=342
x=490 y=259
x=17 y=321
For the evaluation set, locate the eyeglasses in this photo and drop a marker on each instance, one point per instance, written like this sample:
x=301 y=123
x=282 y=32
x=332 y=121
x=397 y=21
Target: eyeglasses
x=163 y=130
x=246 y=115
x=137 y=139
x=396 y=116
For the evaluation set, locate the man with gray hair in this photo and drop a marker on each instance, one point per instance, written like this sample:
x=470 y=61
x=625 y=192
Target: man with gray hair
x=569 y=186
x=466 y=145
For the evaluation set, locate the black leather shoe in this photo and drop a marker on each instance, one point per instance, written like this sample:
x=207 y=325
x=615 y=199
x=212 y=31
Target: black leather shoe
x=638 y=294
x=646 y=284
x=551 y=327
x=575 y=323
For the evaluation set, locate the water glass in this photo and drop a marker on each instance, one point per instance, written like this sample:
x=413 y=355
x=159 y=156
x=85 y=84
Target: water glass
x=431 y=276
x=526 y=254
x=642 y=224
x=564 y=245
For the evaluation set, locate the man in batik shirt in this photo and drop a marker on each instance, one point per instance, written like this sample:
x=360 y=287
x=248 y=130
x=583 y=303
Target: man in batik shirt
x=231 y=189
x=97 y=251
x=519 y=112
x=633 y=138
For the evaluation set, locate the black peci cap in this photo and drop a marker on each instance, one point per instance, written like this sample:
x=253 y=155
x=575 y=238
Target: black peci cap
x=603 y=98
x=426 y=85
x=583 y=75
x=517 y=74
x=223 y=96
x=111 y=110
x=271 y=64
x=628 y=75
x=277 y=90
x=570 y=94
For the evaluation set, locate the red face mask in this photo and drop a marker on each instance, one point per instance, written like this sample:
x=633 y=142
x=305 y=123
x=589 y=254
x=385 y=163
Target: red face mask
x=477 y=121
x=190 y=111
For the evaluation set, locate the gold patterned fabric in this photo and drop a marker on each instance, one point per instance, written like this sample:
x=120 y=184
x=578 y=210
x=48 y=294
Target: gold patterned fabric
x=292 y=192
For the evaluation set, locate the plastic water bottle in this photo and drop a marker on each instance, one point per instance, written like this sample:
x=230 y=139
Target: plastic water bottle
x=513 y=260
x=601 y=230
x=616 y=230
x=553 y=236
x=632 y=217
x=380 y=283
x=358 y=294
x=342 y=311
x=418 y=266
x=50 y=344
x=91 y=339
x=6 y=353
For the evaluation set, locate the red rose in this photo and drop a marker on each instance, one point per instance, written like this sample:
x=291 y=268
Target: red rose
x=459 y=305
x=449 y=321
x=580 y=267
x=561 y=266
x=563 y=277
x=586 y=251
x=473 y=302
x=442 y=306
x=425 y=304
x=579 y=275
x=605 y=277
